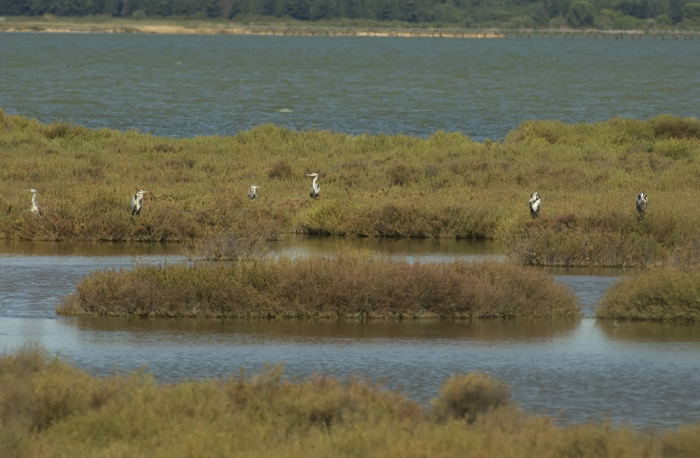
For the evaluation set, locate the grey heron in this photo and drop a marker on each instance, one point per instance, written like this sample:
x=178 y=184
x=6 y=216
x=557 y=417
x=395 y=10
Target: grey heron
x=137 y=202
x=315 y=187
x=252 y=192
x=35 y=205
x=641 y=202
x=535 y=204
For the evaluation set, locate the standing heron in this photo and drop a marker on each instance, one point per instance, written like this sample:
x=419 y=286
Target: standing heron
x=137 y=202
x=252 y=192
x=315 y=187
x=641 y=202
x=535 y=204
x=35 y=205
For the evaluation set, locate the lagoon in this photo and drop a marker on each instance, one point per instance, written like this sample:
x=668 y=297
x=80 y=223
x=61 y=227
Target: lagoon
x=186 y=86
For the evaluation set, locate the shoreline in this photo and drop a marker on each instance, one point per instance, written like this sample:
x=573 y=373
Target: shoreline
x=150 y=28
x=155 y=29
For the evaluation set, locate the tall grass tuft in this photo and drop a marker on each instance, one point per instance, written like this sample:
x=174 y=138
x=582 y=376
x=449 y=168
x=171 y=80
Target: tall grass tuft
x=467 y=396
x=349 y=286
x=660 y=294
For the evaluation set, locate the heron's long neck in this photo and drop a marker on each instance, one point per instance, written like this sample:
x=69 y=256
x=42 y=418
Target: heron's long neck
x=314 y=183
x=34 y=199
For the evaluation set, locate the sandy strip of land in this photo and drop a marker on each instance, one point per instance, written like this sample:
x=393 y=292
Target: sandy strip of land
x=245 y=30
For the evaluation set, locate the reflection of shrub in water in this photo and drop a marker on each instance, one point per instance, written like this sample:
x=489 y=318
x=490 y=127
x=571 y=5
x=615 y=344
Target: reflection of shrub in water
x=649 y=331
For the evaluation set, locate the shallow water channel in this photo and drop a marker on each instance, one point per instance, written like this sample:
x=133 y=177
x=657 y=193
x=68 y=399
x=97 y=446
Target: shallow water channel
x=645 y=374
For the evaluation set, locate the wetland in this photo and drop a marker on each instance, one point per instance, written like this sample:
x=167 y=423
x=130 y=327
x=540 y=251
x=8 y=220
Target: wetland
x=424 y=165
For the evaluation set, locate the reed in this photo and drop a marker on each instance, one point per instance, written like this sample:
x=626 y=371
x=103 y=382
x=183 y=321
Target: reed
x=447 y=185
x=660 y=294
x=49 y=408
x=348 y=286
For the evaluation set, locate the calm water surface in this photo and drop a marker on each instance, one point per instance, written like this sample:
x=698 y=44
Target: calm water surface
x=644 y=374
x=184 y=86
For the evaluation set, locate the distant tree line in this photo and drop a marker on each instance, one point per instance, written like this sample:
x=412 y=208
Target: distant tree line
x=601 y=14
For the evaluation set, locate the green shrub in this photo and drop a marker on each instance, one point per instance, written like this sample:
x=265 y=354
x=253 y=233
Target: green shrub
x=581 y=14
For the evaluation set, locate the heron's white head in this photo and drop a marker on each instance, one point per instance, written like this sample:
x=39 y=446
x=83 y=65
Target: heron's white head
x=254 y=186
x=642 y=197
x=141 y=192
x=33 y=190
x=534 y=197
x=315 y=175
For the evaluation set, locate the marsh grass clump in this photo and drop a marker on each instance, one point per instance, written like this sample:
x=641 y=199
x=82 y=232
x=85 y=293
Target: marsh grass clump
x=659 y=294
x=49 y=408
x=470 y=395
x=400 y=175
x=348 y=286
x=666 y=127
x=280 y=170
x=568 y=241
x=685 y=257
